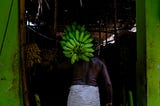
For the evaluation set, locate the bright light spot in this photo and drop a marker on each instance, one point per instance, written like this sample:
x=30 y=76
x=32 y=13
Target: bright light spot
x=104 y=43
x=134 y=29
x=111 y=39
x=30 y=23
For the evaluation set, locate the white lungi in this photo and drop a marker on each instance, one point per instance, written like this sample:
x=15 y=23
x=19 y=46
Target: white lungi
x=83 y=95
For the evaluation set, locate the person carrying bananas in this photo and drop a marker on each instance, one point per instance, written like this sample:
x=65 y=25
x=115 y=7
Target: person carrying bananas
x=88 y=69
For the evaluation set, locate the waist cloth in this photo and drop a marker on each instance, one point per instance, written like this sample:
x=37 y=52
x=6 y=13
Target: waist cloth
x=83 y=95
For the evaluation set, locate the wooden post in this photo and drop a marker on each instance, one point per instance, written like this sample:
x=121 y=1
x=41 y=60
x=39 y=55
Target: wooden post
x=115 y=16
x=22 y=42
x=54 y=30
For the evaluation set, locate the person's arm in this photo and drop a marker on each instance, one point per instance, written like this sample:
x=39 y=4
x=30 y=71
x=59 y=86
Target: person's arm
x=108 y=84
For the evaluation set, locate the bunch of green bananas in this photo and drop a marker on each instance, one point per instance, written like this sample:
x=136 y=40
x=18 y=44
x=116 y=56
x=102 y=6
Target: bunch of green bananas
x=49 y=56
x=32 y=53
x=77 y=43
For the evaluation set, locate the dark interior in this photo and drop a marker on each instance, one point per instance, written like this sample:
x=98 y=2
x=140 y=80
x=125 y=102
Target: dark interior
x=52 y=84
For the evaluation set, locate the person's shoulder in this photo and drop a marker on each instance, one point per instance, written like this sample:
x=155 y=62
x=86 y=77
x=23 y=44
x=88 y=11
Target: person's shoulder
x=97 y=60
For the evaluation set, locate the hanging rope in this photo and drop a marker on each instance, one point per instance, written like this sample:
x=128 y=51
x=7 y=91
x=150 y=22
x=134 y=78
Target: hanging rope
x=47 y=4
x=40 y=34
x=6 y=28
x=39 y=8
x=81 y=4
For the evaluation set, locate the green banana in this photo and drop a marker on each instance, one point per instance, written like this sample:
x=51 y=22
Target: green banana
x=86 y=37
x=74 y=34
x=74 y=26
x=68 y=54
x=89 y=40
x=72 y=42
x=85 y=58
x=87 y=50
x=77 y=35
x=67 y=36
x=70 y=34
x=78 y=27
x=64 y=38
x=73 y=58
x=68 y=28
x=68 y=44
x=88 y=54
x=63 y=43
x=82 y=29
x=66 y=48
x=76 y=42
x=88 y=45
x=77 y=57
x=81 y=36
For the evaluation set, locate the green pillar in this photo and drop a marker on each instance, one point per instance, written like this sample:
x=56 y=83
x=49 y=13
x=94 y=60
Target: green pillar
x=10 y=73
x=153 y=51
x=148 y=52
x=141 y=54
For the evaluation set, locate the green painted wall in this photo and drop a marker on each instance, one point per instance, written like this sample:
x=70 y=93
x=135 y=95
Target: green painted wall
x=141 y=54
x=148 y=52
x=153 y=51
x=10 y=76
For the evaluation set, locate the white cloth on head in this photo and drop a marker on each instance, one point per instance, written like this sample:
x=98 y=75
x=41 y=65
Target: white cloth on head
x=83 y=95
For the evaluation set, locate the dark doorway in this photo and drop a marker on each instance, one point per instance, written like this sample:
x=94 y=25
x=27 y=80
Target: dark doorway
x=44 y=23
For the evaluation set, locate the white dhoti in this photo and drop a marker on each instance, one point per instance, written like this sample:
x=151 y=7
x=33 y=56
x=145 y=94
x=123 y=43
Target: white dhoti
x=83 y=95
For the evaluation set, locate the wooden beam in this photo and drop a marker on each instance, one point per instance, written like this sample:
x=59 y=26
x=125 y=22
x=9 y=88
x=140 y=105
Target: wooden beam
x=22 y=43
